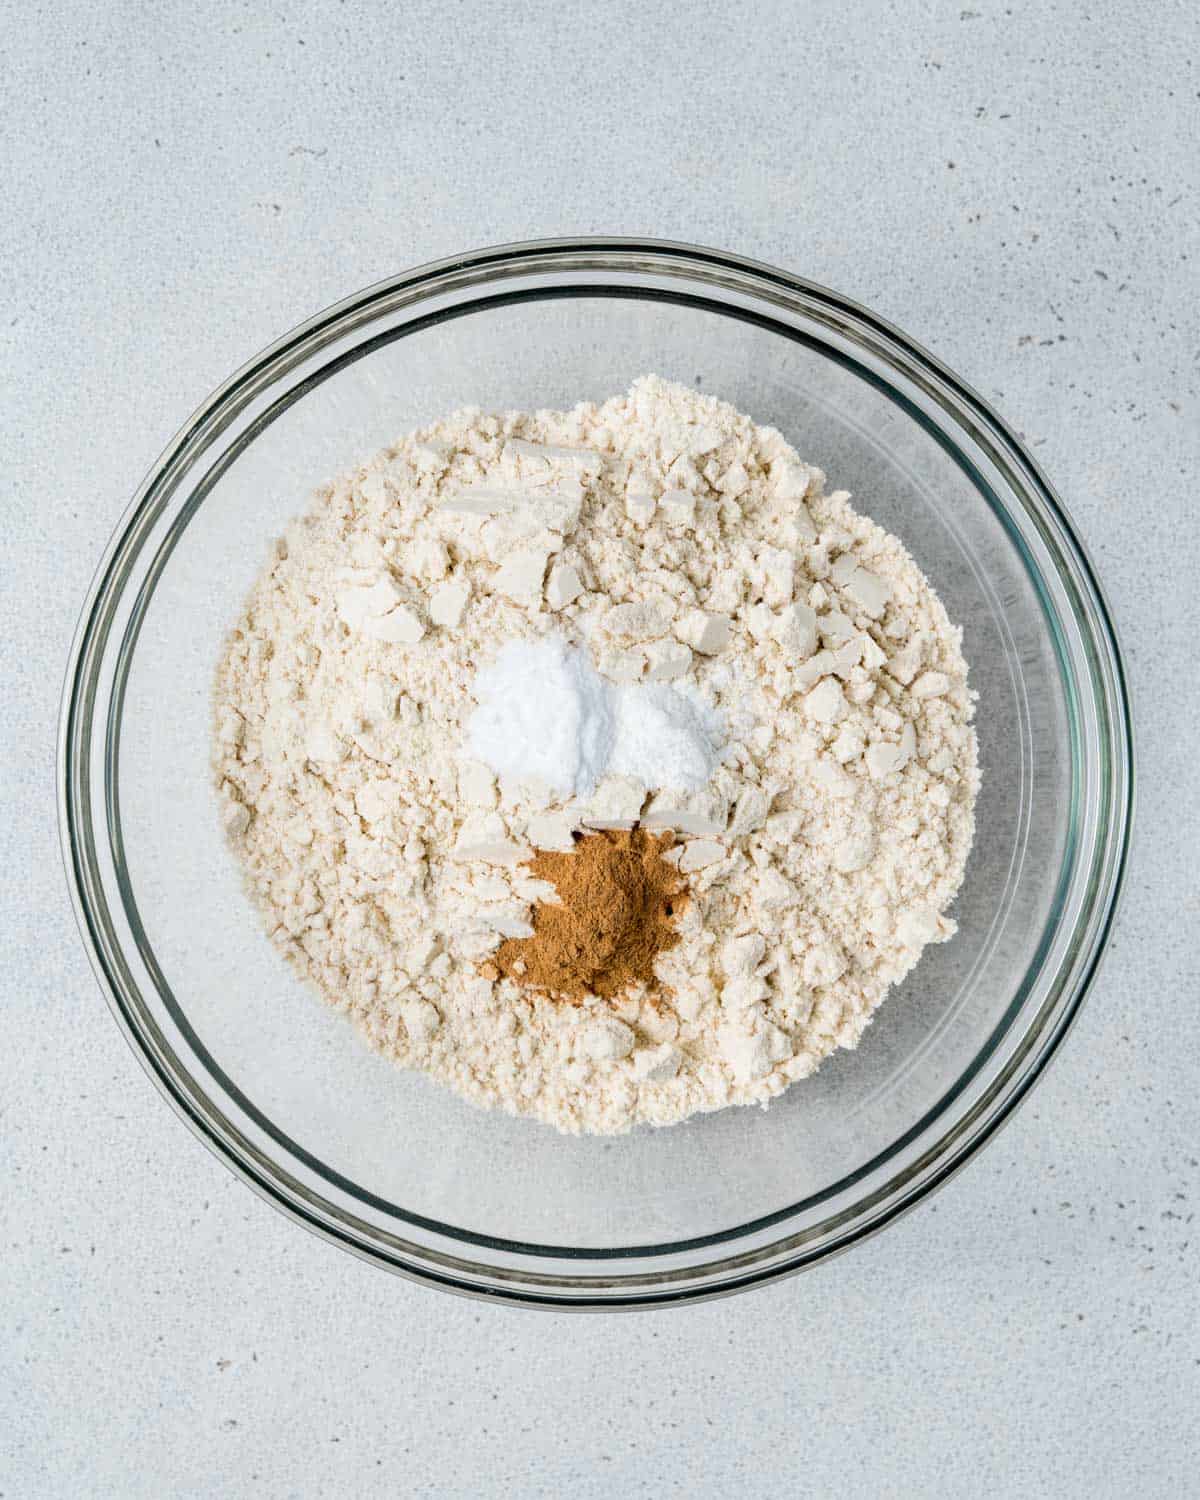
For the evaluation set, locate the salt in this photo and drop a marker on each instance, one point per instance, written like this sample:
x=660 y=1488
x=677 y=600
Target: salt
x=664 y=738
x=545 y=713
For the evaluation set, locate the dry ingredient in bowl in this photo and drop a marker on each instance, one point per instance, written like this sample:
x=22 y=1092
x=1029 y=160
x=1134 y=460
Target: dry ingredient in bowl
x=645 y=623
x=545 y=712
x=616 y=897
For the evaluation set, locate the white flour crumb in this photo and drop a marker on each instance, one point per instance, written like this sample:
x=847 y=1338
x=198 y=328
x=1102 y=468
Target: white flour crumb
x=698 y=561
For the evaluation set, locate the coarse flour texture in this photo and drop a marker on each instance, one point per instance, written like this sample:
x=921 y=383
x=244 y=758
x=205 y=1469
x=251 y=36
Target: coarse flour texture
x=678 y=543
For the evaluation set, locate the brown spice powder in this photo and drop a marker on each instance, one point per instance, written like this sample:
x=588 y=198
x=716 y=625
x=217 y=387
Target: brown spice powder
x=619 y=898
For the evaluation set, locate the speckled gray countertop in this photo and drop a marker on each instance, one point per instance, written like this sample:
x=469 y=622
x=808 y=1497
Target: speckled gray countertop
x=1016 y=185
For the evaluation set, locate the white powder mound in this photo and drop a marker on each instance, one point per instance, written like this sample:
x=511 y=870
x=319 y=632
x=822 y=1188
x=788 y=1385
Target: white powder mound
x=665 y=738
x=824 y=763
x=546 y=714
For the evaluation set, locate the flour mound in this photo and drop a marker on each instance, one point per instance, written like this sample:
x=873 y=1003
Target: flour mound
x=820 y=777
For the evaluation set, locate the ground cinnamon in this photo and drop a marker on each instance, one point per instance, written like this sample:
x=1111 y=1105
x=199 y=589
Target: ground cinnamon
x=618 y=900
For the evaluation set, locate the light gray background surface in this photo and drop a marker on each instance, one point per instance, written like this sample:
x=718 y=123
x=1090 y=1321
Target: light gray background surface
x=1016 y=185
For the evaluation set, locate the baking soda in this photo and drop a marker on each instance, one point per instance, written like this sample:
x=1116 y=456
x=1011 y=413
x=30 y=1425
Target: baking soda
x=545 y=713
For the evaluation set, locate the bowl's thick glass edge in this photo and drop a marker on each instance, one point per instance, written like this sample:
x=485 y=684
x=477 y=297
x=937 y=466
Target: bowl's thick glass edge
x=1096 y=626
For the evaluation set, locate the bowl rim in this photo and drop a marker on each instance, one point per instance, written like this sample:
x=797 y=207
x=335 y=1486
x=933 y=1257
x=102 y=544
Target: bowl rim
x=959 y=1144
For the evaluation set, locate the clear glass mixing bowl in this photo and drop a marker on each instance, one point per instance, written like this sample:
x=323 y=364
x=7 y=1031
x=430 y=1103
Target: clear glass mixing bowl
x=400 y=1171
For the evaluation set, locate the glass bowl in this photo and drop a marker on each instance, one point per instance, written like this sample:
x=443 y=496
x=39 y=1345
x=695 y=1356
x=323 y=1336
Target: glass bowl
x=400 y=1171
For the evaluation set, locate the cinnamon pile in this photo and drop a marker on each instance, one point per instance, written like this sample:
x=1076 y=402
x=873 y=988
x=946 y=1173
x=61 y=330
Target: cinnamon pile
x=619 y=898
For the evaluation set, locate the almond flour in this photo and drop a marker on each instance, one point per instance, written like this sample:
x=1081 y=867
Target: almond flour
x=679 y=543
